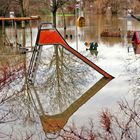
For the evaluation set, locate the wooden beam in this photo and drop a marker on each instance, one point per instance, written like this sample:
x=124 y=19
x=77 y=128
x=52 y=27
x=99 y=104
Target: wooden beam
x=21 y=18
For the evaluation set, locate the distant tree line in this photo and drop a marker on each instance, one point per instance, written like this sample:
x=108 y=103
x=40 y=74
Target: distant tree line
x=116 y=6
x=32 y=7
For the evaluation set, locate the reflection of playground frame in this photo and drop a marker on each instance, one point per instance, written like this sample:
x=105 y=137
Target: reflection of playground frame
x=56 y=122
x=50 y=36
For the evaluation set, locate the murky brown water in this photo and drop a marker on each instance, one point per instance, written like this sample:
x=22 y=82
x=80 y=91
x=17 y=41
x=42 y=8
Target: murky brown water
x=62 y=78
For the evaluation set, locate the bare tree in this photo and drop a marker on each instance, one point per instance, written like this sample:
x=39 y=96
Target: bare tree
x=4 y=7
x=23 y=6
x=124 y=125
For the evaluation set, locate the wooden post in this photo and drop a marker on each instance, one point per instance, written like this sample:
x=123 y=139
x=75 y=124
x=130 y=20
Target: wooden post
x=3 y=32
x=30 y=24
x=23 y=34
x=76 y=16
x=16 y=38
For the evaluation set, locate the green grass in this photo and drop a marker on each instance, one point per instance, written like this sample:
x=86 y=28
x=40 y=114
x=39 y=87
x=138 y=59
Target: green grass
x=66 y=14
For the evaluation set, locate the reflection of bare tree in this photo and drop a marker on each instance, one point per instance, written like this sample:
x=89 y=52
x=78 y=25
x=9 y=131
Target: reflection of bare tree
x=64 y=77
x=132 y=69
x=111 y=126
x=14 y=103
x=16 y=112
x=6 y=114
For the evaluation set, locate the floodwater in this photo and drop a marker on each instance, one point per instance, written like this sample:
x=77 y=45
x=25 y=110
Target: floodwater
x=66 y=89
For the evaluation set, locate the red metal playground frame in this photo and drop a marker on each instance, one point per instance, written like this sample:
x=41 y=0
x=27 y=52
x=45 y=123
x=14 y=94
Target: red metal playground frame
x=48 y=35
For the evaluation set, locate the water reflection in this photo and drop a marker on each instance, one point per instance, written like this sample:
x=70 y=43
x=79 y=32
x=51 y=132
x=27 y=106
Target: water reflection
x=136 y=48
x=4 y=48
x=66 y=84
x=64 y=78
x=12 y=68
x=54 y=123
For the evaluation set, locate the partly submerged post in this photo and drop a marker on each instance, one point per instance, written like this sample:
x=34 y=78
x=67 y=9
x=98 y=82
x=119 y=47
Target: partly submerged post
x=16 y=38
x=3 y=32
x=23 y=34
x=30 y=25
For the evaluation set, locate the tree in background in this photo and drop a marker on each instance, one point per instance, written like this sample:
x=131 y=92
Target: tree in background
x=55 y=5
x=4 y=7
x=23 y=7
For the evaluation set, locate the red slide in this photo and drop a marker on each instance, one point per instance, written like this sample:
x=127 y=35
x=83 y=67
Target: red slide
x=52 y=36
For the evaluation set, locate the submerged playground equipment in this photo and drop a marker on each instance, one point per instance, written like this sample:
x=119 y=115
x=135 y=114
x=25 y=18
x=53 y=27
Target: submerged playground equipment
x=107 y=33
x=48 y=35
x=136 y=42
x=13 y=21
x=12 y=50
x=136 y=38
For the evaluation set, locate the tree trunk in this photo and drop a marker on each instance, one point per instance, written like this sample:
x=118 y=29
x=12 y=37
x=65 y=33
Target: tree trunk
x=22 y=8
x=54 y=18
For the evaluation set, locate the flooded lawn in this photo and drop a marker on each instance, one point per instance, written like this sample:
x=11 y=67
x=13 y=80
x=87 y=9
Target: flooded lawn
x=114 y=58
x=65 y=88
